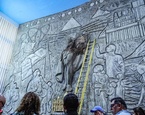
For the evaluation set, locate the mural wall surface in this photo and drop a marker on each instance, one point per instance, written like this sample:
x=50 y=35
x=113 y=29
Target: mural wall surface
x=49 y=52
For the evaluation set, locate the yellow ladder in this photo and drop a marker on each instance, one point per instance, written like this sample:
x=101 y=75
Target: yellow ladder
x=84 y=73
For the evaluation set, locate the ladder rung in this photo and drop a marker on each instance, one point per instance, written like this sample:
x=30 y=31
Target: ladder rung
x=90 y=47
x=80 y=84
x=91 y=41
x=84 y=72
x=86 y=62
x=85 y=66
x=83 y=75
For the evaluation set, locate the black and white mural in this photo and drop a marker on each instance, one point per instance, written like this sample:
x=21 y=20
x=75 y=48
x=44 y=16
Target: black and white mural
x=118 y=65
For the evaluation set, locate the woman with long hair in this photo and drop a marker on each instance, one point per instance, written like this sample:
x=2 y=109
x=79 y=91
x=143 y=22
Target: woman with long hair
x=30 y=105
x=138 y=111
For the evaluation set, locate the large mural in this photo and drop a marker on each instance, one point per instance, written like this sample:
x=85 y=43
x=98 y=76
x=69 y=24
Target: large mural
x=49 y=51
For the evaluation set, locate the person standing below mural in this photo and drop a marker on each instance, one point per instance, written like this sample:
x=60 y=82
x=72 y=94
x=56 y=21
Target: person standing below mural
x=138 y=111
x=30 y=105
x=71 y=60
x=98 y=110
x=70 y=104
x=114 y=66
x=118 y=106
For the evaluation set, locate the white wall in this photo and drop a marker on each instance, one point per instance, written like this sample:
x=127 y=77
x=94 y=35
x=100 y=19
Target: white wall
x=8 y=32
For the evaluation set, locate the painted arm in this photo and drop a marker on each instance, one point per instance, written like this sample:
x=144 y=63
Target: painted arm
x=98 y=53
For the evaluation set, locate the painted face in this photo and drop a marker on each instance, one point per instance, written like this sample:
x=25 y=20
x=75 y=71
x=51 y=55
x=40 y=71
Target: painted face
x=98 y=68
x=110 y=48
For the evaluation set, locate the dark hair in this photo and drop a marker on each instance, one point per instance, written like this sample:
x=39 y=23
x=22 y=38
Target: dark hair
x=138 y=111
x=71 y=102
x=119 y=100
x=30 y=104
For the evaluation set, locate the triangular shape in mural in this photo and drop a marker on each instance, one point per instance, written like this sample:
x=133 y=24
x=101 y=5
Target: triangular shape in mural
x=72 y=23
x=100 y=13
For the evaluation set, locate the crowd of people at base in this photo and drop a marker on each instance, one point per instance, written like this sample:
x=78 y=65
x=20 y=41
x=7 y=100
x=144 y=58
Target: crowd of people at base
x=30 y=105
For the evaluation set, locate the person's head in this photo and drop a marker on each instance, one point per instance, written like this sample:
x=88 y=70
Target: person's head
x=97 y=110
x=138 y=111
x=110 y=48
x=98 y=68
x=37 y=72
x=2 y=101
x=81 y=43
x=70 y=102
x=117 y=104
x=30 y=104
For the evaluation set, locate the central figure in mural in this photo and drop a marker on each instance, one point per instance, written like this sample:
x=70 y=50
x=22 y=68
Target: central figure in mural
x=71 y=61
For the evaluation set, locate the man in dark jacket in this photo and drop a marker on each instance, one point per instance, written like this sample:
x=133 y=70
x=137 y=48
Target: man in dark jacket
x=71 y=104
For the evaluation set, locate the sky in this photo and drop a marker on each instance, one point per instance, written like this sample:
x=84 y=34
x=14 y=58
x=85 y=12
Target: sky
x=21 y=11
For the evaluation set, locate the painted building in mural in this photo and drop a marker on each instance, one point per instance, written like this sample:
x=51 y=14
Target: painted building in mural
x=48 y=47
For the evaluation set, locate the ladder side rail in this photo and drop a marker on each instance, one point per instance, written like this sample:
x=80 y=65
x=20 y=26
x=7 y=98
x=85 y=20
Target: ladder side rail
x=86 y=78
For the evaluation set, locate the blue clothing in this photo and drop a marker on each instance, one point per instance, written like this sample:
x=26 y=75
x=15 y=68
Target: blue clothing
x=123 y=112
